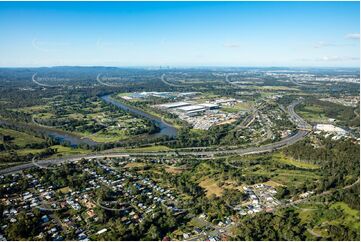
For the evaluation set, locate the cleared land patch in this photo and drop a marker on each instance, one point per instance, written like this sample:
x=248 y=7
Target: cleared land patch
x=211 y=187
x=134 y=164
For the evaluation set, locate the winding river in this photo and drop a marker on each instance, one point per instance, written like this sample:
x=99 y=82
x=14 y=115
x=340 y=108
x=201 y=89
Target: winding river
x=59 y=135
x=74 y=140
x=165 y=128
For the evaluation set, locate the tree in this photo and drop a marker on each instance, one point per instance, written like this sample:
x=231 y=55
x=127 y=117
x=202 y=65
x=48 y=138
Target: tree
x=152 y=233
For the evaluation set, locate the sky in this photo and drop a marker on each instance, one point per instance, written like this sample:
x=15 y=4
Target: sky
x=314 y=34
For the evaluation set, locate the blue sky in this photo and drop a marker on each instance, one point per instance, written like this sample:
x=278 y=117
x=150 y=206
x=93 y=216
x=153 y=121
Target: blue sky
x=180 y=33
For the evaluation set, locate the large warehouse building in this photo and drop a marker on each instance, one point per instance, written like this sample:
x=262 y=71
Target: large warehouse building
x=330 y=129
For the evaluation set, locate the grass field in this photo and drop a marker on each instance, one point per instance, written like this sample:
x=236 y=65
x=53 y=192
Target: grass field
x=61 y=151
x=32 y=109
x=69 y=151
x=21 y=139
x=289 y=177
x=268 y=166
x=279 y=157
x=211 y=187
x=174 y=169
x=24 y=152
x=134 y=164
x=110 y=136
x=229 y=184
x=313 y=113
x=245 y=106
x=64 y=190
x=272 y=183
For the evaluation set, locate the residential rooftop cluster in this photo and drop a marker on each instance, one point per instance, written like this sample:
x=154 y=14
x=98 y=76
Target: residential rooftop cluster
x=307 y=78
x=261 y=198
x=63 y=212
x=133 y=198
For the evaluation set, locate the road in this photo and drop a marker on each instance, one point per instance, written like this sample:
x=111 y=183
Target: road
x=170 y=84
x=245 y=151
x=231 y=83
x=41 y=84
x=105 y=84
x=300 y=134
x=301 y=124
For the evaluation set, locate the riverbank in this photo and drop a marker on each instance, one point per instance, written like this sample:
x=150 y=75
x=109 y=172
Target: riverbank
x=165 y=128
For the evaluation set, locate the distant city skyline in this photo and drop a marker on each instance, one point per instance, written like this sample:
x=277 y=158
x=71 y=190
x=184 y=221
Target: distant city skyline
x=178 y=34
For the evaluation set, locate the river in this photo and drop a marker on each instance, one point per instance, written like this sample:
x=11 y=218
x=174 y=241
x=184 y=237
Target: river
x=59 y=135
x=73 y=140
x=165 y=128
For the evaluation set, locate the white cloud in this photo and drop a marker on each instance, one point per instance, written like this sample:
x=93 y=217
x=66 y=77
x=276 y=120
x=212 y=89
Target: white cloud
x=332 y=59
x=339 y=58
x=355 y=36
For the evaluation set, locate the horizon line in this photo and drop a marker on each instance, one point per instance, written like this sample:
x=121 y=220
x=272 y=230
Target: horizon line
x=182 y=66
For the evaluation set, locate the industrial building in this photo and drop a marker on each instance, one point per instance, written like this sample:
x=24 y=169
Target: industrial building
x=330 y=129
x=194 y=110
x=191 y=108
x=174 y=105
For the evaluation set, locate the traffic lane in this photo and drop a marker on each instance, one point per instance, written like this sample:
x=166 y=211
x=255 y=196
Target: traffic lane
x=253 y=150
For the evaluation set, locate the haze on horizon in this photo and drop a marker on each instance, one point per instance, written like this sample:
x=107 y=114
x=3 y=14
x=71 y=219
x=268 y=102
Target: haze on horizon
x=314 y=34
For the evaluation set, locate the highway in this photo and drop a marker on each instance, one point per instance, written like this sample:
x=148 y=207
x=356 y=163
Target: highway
x=170 y=84
x=300 y=134
x=295 y=118
x=105 y=84
x=41 y=84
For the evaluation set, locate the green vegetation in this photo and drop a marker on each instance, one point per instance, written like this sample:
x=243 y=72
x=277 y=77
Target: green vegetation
x=273 y=88
x=314 y=222
x=319 y=175
x=20 y=139
x=145 y=106
x=325 y=220
x=297 y=176
x=280 y=157
x=20 y=147
x=339 y=160
x=313 y=114
x=154 y=148
x=64 y=151
x=317 y=111
x=245 y=106
x=90 y=118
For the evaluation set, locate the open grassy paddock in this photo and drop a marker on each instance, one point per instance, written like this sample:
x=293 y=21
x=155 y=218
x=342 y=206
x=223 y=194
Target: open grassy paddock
x=20 y=139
